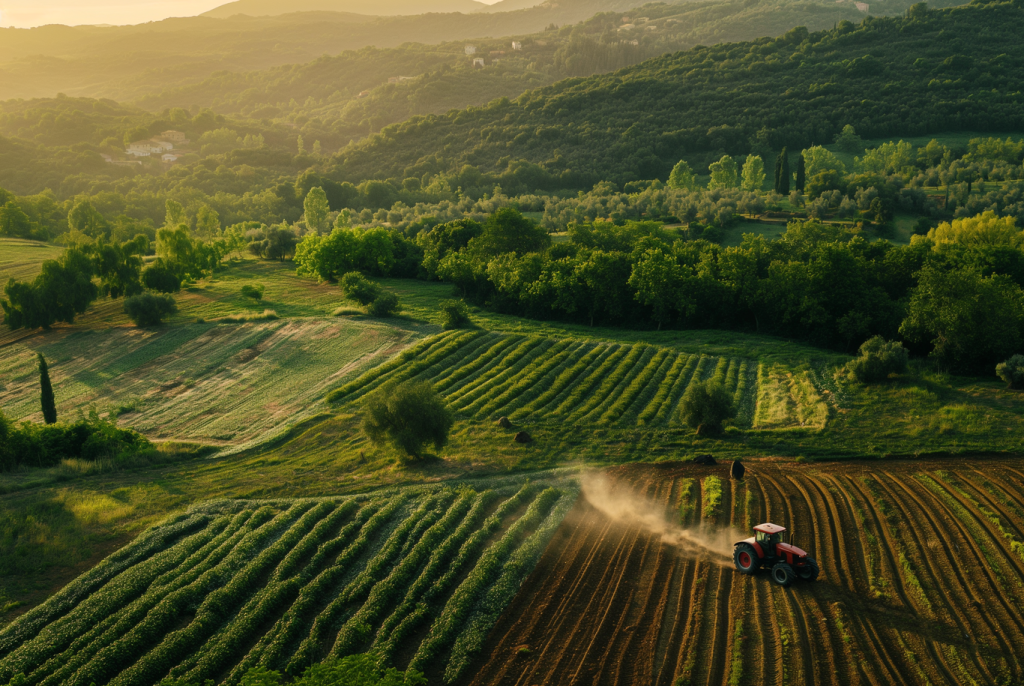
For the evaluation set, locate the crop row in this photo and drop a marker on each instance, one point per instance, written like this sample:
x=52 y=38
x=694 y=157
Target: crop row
x=283 y=585
x=485 y=376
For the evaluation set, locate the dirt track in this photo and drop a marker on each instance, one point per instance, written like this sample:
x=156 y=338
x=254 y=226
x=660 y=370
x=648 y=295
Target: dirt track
x=921 y=582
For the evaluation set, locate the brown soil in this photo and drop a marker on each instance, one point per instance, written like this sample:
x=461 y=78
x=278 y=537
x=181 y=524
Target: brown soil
x=918 y=584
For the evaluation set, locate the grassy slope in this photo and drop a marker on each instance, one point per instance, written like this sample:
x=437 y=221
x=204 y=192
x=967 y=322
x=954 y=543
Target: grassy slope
x=21 y=259
x=55 y=523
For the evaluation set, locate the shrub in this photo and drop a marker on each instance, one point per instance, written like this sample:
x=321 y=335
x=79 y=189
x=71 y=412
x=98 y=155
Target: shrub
x=384 y=305
x=408 y=415
x=706 y=404
x=454 y=314
x=45 y=445
x=357 y=287
x=149 y=309
x=254 y=292
x=1012 y=372
x=160 y=277
x=878 y=359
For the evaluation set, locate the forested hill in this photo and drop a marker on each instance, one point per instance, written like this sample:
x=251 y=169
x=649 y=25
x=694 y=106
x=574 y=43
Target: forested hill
x=930 y=71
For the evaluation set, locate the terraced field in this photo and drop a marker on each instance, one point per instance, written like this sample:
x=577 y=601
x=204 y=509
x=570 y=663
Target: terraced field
x=537 y=379
x=419 y=576
x=922 y=573
x=223 y=384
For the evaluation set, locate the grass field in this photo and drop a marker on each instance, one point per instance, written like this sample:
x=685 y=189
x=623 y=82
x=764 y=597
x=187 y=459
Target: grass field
x=21 y=259
x=539 y=380
x=418 y=575
x=218 y=384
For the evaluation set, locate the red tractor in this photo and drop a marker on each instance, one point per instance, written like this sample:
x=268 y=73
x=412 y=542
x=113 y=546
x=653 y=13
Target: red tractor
x=767 y=549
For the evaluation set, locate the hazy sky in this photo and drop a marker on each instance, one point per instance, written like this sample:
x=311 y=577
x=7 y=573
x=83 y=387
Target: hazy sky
x=25 y=13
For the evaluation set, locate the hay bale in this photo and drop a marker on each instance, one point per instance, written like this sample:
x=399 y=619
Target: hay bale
x=523 y=437
x=737 y=470
x=505 y=423
x=704 y=459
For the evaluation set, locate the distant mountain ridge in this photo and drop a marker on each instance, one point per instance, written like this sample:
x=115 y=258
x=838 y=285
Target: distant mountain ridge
x=378 y=8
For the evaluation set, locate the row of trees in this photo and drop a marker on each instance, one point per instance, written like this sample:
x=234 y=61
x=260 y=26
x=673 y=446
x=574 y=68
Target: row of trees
x=955 y=293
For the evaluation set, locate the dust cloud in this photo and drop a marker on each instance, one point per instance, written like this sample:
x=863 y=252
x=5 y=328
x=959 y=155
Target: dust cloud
x=621 y=504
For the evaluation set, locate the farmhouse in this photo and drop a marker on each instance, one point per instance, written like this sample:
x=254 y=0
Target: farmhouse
x=516 y=45
x=176 y=137
x=478 y=61
x=470 y=49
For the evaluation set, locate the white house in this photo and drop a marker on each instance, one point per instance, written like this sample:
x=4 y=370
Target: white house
x=516 y=45
x=470 y=49
x=170 y=157
x=862 y=6
x=478 y=61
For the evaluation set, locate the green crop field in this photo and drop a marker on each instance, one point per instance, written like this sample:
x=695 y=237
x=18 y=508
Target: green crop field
x=544 y=380
x=418 y=575
x=215 y=383
x=21 y=259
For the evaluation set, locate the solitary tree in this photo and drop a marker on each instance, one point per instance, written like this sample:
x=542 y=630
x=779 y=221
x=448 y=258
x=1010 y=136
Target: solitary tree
x=46 y=393
x=878 y=359
x=149 y=309
x=410 y=416
x=705 y=406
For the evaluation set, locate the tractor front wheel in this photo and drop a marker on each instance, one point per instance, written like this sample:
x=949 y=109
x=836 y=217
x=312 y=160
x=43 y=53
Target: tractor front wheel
x=746 y=560
x=783 y=574
x=809 y=570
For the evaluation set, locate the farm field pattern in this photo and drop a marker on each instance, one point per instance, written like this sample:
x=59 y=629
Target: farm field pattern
x=538 y=379
x=922 y=567
x=218 y=383
x=419 y=575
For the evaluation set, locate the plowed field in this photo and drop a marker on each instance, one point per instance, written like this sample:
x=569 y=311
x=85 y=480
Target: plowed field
x=922 y=572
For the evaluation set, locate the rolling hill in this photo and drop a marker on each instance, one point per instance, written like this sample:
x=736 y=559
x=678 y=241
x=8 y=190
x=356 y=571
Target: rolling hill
x=382 y=8
x=931 y=71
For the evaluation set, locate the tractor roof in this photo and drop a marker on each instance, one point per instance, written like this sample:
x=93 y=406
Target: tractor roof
x=769 y=528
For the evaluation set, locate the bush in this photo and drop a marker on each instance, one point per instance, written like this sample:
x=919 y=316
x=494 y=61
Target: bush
x=1012 y=372
x=160 y=277
x=45 y=445
x=878 y=359
x=454 y=314
x=254 y=292
x=384 y=305
x=357 y=287
x=408 y=415
x=706 y=404
x=148 y=309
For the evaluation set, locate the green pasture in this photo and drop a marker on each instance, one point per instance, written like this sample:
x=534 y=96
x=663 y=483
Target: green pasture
x=21 y=259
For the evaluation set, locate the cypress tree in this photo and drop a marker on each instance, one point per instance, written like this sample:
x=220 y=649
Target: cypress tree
x=783 y=188
x=778 y=173
x=46 y=392
x=801 y=173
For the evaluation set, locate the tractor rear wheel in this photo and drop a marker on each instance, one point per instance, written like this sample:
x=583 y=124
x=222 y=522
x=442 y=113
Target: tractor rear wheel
x=809 y=570
x=746 y=560
x=783 y=574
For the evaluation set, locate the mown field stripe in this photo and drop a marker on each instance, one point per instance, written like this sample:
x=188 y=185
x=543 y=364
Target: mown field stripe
x=667 y=410
x=470 y=366
x=540 y=385
x=471 y=402
x=523 y=346
x=648 y=377
x=562 y=381
x=606 y=394
x=443 y=367
x=530 y=378
x=576 y=393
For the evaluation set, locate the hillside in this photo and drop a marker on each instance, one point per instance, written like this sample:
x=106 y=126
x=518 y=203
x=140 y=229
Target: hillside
x=379 y=8
x=935 y=70
x=126 y=62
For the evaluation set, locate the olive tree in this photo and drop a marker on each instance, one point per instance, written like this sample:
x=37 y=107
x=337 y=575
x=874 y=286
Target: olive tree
x=409 y=416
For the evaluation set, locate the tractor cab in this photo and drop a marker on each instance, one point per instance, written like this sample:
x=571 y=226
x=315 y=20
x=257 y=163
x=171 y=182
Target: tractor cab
x=767 y=547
